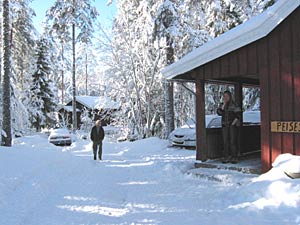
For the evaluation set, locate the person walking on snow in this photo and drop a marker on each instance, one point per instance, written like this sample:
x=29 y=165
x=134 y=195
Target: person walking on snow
x=97 y=136
x=230 y=122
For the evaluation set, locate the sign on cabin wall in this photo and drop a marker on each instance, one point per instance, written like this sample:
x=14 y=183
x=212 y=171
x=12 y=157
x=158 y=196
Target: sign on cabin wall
x=285 y=127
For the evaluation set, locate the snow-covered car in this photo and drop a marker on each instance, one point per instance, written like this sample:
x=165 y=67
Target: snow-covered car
x=185 y=136
x=60 y=136
x=129 y=137
x=128 y=134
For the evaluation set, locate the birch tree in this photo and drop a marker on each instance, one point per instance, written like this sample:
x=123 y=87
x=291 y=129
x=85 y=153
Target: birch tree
x=87 y=60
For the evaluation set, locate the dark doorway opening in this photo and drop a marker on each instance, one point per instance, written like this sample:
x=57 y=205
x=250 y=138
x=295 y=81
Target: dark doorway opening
x=249 y=139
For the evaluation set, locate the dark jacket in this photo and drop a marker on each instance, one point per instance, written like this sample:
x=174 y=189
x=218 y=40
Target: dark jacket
x=229 y=114
x=97 y=136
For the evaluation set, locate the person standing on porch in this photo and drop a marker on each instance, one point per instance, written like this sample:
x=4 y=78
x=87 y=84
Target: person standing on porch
x=97 y=136
x=230 y=121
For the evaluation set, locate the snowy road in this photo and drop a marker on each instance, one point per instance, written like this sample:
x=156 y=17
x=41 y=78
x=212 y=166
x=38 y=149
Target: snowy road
x=137 y=183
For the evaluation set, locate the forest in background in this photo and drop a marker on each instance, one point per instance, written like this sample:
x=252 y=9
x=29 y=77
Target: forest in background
x=46 y=70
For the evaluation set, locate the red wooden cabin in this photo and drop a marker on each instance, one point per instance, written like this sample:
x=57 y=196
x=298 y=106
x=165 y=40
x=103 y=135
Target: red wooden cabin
x=265 y=50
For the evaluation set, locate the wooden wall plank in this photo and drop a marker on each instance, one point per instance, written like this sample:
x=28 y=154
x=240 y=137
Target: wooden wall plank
x=208 y=70
x=224 y=66
x=216 y=68
x=265 y=104
x=242 y=61
x=286 y=83
x=252 y=59
x=233 y=64
x=199 y=73
x=274 y=67
x=296 y=74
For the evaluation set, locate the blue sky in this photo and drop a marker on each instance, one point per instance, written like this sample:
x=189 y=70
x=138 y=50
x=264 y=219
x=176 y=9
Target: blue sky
x=41 y=6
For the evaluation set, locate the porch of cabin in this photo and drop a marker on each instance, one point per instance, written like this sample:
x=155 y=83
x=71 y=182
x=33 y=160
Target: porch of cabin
x=249 y=135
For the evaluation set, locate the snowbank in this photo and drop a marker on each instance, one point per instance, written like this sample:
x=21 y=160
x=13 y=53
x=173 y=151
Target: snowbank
x=274 y=189
x=288 y=163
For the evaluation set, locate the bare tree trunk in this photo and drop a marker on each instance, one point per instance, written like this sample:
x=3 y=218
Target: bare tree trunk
x=62 y=74
x=169 y=93
x=1 y=59
x=86 y=74
x=74 y=80
x=169 y=107
x=1 y=63
x=62 y=87
x=6 y=122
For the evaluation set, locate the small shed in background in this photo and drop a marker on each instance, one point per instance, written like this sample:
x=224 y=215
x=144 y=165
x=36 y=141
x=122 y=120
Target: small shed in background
x=95 y=107
x=265 y=51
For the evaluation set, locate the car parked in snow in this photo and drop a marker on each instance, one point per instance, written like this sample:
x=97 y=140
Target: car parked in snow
x=185 y=136
x=60 y=136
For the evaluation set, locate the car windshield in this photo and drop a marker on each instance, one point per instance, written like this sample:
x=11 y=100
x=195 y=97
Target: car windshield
x=251 y=117
x=191 y=123
x=209 y=119
x=215 y=123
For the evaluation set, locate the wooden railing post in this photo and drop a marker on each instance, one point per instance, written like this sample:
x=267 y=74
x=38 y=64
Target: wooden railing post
x=200 y=120
x=238 y=95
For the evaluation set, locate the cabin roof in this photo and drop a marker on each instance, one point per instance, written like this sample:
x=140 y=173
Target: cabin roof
x=98 y=102
x=94 y=102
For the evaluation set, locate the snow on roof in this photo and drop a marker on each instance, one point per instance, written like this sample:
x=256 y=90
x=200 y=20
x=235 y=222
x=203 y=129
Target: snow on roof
x=98 y=102
x=254 y=29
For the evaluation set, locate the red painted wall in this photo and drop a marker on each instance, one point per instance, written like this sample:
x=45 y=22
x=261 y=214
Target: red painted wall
x=279 y=70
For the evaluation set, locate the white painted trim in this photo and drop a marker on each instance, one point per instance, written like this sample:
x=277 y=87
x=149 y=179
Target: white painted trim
x=242 y=35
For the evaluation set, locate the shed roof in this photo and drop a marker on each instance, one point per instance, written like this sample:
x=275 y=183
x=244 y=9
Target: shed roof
x=97 y=102
x=94 y=102
x=252 y=30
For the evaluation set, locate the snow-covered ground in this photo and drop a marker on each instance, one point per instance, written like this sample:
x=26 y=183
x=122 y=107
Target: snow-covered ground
x=143 y=182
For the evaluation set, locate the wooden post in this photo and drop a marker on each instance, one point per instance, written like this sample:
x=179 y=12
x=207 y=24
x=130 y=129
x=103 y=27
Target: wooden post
x=200 y=120
x=238 y=96
x=62 y=73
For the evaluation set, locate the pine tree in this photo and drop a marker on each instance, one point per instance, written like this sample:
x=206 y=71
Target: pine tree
x=42 y=100
x=23 y=40
x=6 y=121
x=23 y=36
